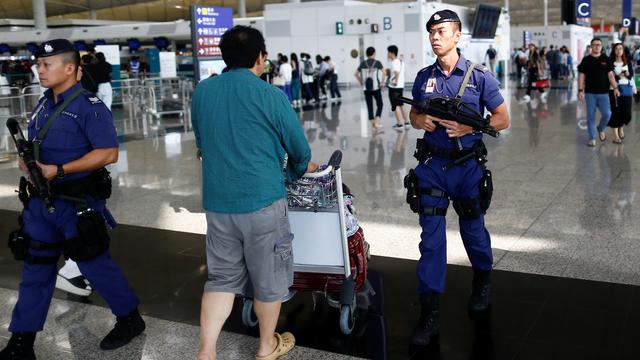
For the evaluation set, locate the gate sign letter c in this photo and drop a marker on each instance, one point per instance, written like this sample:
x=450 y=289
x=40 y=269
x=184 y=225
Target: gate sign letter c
x=386 y=23
x=584 y=9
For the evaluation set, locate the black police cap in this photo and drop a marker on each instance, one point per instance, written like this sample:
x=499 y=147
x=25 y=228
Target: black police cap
x=443 y=16
x=55 y=47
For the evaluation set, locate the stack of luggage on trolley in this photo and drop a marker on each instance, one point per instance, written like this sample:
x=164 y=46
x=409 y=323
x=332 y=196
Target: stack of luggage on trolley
x=329 y=249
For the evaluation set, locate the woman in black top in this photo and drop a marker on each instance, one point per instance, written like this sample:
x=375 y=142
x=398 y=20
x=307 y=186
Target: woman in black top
x=536 y=70
x=621 y=106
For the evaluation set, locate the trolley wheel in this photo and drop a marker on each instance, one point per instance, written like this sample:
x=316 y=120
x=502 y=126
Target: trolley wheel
x=347 y=319
x=249 y=317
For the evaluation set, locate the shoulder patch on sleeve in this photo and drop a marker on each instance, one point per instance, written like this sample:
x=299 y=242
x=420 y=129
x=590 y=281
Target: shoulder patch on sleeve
x=93 y=99
x=481 y=68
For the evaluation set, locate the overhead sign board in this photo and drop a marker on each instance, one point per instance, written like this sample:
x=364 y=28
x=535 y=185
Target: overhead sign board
x=208 y=24
x=626 y=13
x=583 y=12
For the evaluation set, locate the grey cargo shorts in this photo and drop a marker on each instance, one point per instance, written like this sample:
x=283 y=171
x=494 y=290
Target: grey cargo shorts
x=250 y=254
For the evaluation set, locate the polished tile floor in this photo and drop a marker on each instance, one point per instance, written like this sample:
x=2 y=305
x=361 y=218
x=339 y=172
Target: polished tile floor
x=565 y=244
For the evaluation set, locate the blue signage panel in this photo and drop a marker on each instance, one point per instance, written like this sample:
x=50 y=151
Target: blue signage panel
x=626 y=13
x=208 y=24
x=583 y=12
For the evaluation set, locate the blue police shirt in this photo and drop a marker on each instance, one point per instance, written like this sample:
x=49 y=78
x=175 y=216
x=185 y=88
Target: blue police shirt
x=482 y=92
x=85 y=124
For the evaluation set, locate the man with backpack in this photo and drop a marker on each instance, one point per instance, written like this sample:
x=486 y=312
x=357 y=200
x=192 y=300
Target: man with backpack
x=370 y=75
x=307 y=78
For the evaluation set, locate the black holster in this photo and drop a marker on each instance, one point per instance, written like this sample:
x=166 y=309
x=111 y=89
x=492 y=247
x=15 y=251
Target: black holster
x=18 y=244
x=486 y=191
x=101 y=181
x=413 y=192
x=92 y=240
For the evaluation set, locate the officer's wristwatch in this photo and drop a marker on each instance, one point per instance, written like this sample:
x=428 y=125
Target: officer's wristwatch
x=60 y=174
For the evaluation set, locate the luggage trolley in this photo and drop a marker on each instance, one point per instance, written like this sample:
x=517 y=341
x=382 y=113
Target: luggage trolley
x=321 y=249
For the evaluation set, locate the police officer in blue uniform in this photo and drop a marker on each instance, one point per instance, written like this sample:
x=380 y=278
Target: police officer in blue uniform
x=73 y=137
x=438 y=180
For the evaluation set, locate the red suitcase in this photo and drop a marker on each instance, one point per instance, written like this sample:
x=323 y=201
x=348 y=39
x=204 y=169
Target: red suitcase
x=332 y=283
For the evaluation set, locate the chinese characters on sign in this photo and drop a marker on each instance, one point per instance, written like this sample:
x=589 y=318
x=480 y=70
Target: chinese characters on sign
x=210 y=23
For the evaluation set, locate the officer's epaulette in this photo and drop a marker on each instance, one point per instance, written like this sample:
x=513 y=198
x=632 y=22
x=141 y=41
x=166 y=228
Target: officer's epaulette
x=424 y=69
x=479 y=67
x=92 y=98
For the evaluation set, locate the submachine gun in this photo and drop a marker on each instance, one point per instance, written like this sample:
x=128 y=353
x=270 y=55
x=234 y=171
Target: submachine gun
x=445 y=107
x=25 y=149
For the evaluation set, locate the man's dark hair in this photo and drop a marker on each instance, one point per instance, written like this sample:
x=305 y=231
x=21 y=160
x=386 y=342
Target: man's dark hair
x=241 y=46
x=370 y=51
x=327 y=58
x=284 y=58
x=595 y=39
x=71 y=57
x=100 y=57
x=393 y=49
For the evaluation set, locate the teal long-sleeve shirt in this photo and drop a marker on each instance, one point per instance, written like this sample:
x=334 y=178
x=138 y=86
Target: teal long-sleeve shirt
x=244 y=126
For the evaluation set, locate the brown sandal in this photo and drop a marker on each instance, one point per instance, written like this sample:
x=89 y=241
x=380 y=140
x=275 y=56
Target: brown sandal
x=286 y=342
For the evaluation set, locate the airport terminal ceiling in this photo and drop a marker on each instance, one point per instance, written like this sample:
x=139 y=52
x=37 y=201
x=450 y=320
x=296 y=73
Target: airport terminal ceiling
x=523 y=12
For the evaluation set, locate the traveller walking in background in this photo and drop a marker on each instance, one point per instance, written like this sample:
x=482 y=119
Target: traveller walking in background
x=621 y=105
x=595 y=77
x=396 y=86
x=370 y=75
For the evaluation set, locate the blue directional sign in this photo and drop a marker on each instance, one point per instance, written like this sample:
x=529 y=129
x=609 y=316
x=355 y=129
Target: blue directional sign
x=583 y=12
x=626 y=13
x=208 y=24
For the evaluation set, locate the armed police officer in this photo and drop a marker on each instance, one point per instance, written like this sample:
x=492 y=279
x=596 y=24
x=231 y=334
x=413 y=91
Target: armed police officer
x=73 y=138
x=451 y=168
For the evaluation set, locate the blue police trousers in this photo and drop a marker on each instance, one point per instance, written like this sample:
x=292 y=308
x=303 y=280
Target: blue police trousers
x=458 y=182
x=38 y=281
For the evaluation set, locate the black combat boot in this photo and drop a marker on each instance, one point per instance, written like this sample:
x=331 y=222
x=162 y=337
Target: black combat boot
x=480 y=291
x=126 y=328
x=429 y=323
x=20 y=347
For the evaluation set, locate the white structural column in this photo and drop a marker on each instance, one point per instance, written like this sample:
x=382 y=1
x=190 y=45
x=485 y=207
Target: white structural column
x=93 y=14
x=242 y=8
x=546 y=12
x=39 y=14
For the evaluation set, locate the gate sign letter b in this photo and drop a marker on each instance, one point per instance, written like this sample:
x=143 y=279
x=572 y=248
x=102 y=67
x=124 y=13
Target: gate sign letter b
x=386 y=23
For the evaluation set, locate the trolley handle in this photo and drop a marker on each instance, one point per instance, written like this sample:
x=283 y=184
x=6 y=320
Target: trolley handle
x=334 y=163
x=315 y=175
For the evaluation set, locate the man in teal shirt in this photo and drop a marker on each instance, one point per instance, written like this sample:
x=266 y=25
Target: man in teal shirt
x=243 y=128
